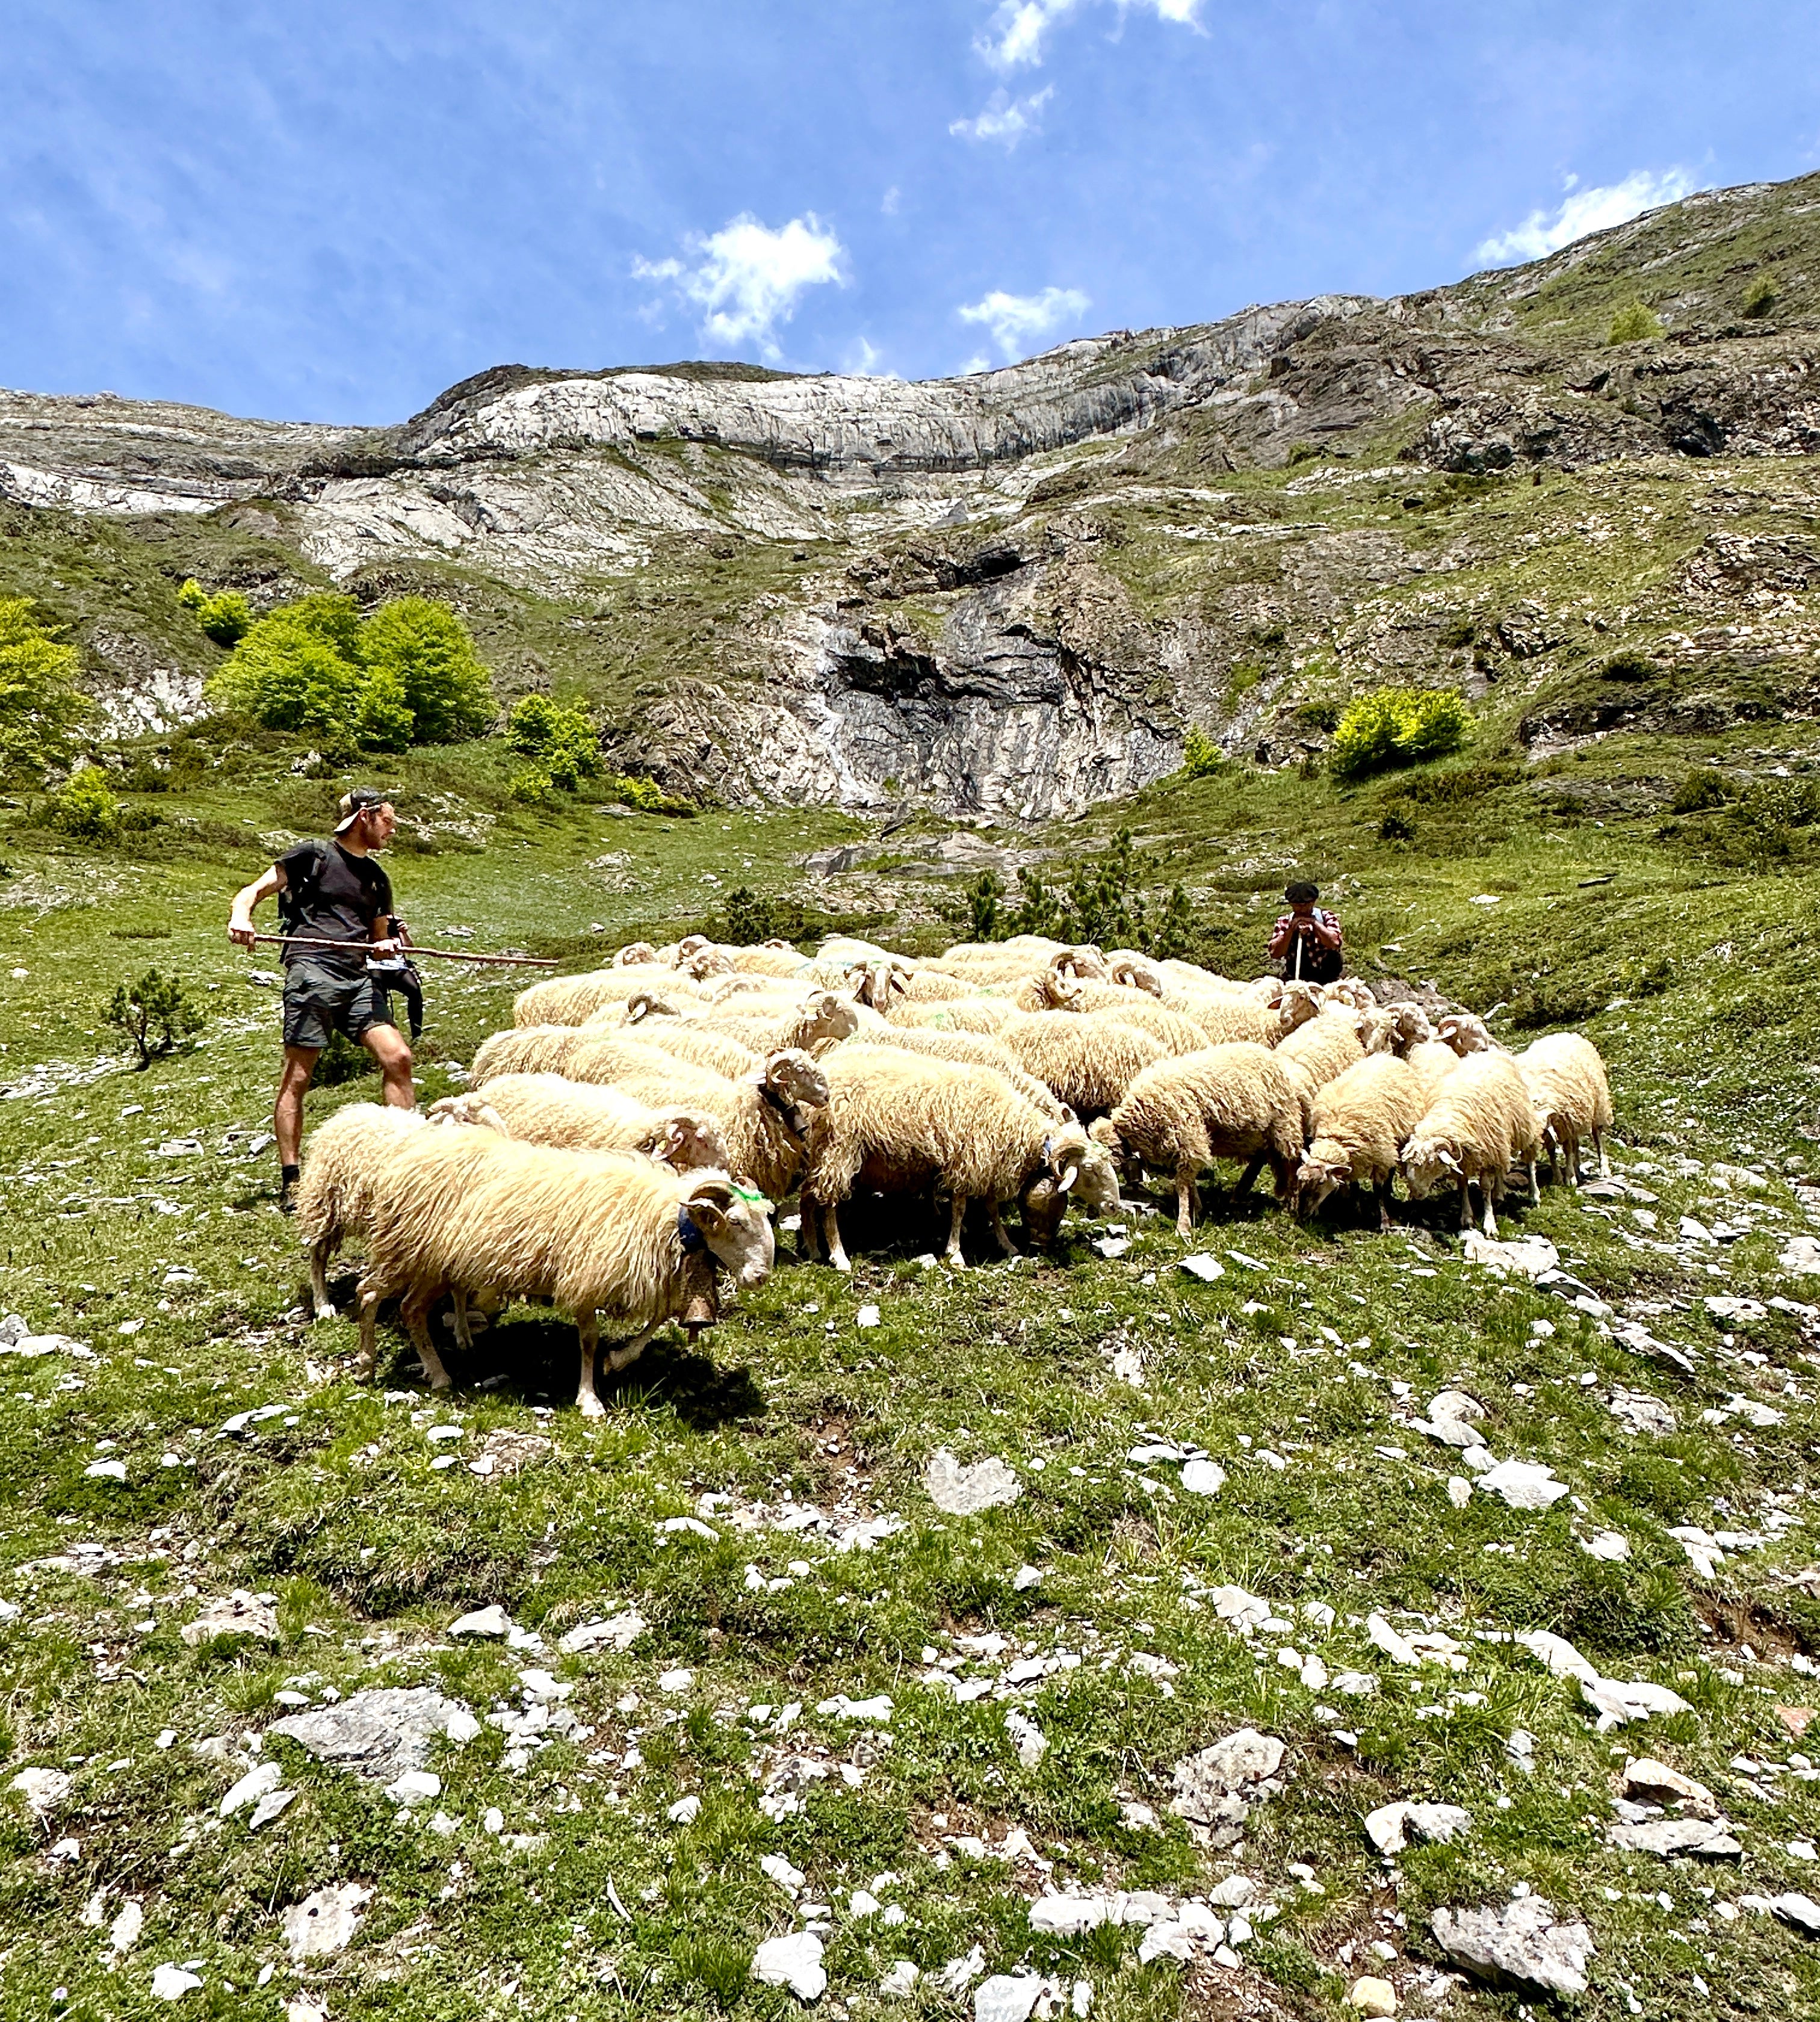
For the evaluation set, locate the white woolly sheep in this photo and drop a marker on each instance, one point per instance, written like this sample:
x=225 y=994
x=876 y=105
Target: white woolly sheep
x=965 y=1014
x=1466 y=1034
x=1236 y=1101
x=1326 y=1046
x=1432 y=1062
x=1172 y=1029
x=581 y=1116
x=1088 y=1063
x=529 y=1049
x=1567 y=1083
x=567 y=1000
x=820 y=1016
x=1126 y=967
x=1394 y=1028
x=973 y=1049
x=1480 y=1123
x=702 y=1045
x=611 y=1236
x=1360 y=1121
x=1246 y=1017
x=896 y=1122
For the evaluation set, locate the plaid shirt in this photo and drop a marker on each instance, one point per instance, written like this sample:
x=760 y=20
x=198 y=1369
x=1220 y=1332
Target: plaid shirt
x=1321 y=915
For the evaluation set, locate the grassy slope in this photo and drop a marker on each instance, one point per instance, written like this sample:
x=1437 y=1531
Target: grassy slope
x=333 y=1505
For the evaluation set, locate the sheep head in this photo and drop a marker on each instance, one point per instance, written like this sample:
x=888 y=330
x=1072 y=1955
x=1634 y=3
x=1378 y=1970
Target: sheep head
x=1065 y=1153
x=1299 y=1003
x=1135 y=971
x=1465 y=1034
x=691 y=1138
x=1349 y=990
x=735 y=1223
x=1058 y=985
x=634 y=955
x=707 y=961
x=1324 y=1169
x=689 y=944
x=875 y=982
x=470 y=1110
x=1084 y=959
x=826 y=1016
x=794 y=1079
x=644 y=1004
x=1428 y=1163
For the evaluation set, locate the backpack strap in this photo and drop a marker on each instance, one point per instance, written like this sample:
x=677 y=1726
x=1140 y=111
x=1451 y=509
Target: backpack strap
x=292 y=899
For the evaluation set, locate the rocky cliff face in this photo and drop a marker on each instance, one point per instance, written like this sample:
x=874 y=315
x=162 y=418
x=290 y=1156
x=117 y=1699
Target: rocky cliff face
x=1011 y=593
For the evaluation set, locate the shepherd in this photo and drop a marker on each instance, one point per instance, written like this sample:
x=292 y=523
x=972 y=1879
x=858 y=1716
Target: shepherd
x=333 y=892
x=1307 y=939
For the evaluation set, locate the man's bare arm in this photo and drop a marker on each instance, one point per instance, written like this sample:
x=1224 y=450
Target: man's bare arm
x=248 y=899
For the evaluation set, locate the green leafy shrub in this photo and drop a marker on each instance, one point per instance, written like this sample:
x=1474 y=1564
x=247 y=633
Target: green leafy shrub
x=1634 y=324
x=1398 y=727
x=1698 y=792
x=983 y=905
x=1628 y=665
x=1102 y=903
x=560 y=738
x=1759 y=297
x=1245 y=677
x=1318 y=716
x=646 y=796
x=1201 y=756
x=1397 y=825
x=226 y=617
x=531 y=786
x=1457 y=632
x=84 y=808
x=40 y=704
x=155 y=1016
x=408 y=675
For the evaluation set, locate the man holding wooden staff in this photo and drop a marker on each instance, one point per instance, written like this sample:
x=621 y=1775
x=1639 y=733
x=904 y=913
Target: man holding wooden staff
x=335 y=897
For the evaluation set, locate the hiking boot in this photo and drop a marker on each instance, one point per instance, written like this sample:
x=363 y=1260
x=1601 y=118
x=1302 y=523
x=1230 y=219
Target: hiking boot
x=287 y=1197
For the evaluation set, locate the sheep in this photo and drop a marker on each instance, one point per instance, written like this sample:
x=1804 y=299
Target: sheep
x=579 y=1116
x=1567 y=1084
x=643 y=1003
x=965 y=1014
x=636 y=954
x=610 y=1235
x=1228 y=1020
x=1479 y=1121
x=974 y=1049
x=567 y=1000
x=1360 y=1121
x=1088 y=1063
x=529 y=1049
x=1056 y=988
x=764 y=1116
x=1394 y=1028
x=1351 y=990
x=1326 y=1044
x=1135 y=971
x=773 y=958
x=701 y=1046
x=341 y=1168
x=1466 y=1034
x=1236 y=1101
x=1172 y=1029
x=821 y=1016
x=894 y=1123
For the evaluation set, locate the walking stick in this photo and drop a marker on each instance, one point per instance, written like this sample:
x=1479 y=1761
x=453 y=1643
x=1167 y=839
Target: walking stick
x=441 y=955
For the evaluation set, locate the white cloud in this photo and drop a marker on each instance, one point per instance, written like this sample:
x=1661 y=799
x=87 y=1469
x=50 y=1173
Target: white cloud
x=1582 y=211
x=1014 y=320
x=1016 y=30
x=865 y=361
x=748 y=278
x=889 y=203
x=1006 y=119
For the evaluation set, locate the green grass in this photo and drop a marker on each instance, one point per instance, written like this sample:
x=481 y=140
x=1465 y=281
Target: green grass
x=333 y=1507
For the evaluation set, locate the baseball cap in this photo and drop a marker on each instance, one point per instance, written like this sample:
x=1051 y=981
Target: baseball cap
x=361 y=801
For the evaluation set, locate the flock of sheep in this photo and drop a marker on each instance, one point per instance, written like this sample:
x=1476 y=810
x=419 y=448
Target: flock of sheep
x=637 y=1125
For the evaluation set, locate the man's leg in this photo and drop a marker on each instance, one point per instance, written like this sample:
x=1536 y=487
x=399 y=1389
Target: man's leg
x=389 y=1046
x=287 y=1110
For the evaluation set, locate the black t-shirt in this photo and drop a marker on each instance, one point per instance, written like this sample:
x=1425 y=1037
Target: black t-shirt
x=338 y=901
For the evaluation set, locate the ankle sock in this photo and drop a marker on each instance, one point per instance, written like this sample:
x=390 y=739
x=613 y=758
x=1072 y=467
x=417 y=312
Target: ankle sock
x=287 y=1173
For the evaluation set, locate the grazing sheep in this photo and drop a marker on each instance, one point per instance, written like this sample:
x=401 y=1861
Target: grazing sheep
x=1567 y=1083
x=1173 y=1032
x=637 y=954
x=1394 y=1028
x=1246 y=1017
x=1088 y=1063
x=1480 y=1123
x=579 y=1116
x=644 y=1003
x=1351 y=990
x=528 y=1049
x=1433 y=1062
x=1360 y=1121
x=342 y=1164
x=965 y=1014
x=567 y=1000
x=765 y=1117
x=610 y=1235
x=895 y=1122
x=1235 y=1100
x=1326 y=1046
x=1466 y=1034
x=974 y=1049
x=701 y=1046
x=773 y=958
x=1134 y=972
x=820 y=1016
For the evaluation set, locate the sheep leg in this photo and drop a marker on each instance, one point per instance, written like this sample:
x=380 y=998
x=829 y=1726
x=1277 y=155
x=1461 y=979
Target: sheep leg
x=1248 y=1179
x=1187 y=1201
x=837 y=1255
x=1382 y=1189
x=629 y=1352
x=415 y=1312
x=1598 y=1146
x=956 y=1215
x=369 y=1354
x=1466 y=1202
x=1535 y=1191
x=1009 y=1248
x=463 y=1331
x=1491 y=1220
x=808 y=1222
x=320 y=1253
x=587 y=1325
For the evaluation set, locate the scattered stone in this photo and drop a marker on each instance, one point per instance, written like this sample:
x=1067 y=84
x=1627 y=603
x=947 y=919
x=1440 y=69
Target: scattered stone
x=1203 y=1477
x=1005 y=1997
x=43 y=1790
x=380 y=1734
x=273 y=1805
x=322 y=1924
x=415 y=1786
x=1557 y=1653
x=1653 y=1782
x=106 y=1470
x=1530 y=1257
x=1617 y=1704
x=794 y=1962
x=619 y=1632
x=485 y=1622
x=1523 y=1484
x=1128 y=1367
x=1028 y=1739
x=1026 y=1578
x=1801 y=1910
x=123 y=1932
x=1639 y=1412
x=901 y=1978
x=1216 y=1789
x=239 y=1615
x=678 y=1679
x=1458 y=1490
x=776 y=1868
x=1390 y=1826
x=867 y=1316
x=1520 y=1944
x=1797 y=1719
x=1202 y=1266
x=964 y=1491
x=1454 y=1419
x=171 y=1982
x=685 y=1812
x=1709 y=1838
x=1612 y=1545
x=1802 y=1257
x=1372 y=1997
x=251 y=1788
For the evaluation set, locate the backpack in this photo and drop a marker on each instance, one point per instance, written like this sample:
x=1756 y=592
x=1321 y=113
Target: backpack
x=291 y=901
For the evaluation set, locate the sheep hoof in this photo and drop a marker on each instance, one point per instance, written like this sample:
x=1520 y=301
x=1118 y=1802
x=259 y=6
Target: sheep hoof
x=326 y=1311
x=590 y=1405
x=842 y=1265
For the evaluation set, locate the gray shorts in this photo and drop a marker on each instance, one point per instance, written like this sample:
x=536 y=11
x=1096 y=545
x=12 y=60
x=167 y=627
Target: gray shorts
x=319 y=1001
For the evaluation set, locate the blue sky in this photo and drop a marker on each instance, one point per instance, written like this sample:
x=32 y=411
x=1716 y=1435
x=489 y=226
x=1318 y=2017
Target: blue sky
x=330 y=211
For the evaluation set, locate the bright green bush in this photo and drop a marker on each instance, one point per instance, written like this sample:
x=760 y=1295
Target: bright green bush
x=40 y=704
x=155 y=1016
x=1398 y=727
x=445 y=685
x=408 y=675
x=1201 y=756
x=646 y=796
x=1634 y=324
x=84 y=808
x=1761 y=297
x=559 y=737
x=226 y=617
x=531 y=786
